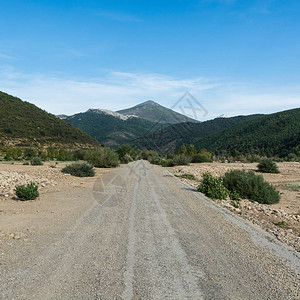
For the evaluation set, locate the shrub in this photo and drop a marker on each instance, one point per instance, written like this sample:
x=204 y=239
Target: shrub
x=267 y=165
x=213 y=187
x=103 y=158
x=156 y=160
x=180 y=160
x=26 y=163
x=29 y=153
x=168 y=163
x=79 y=154
x=234 y=195
x=149 y=154
x=200 y=158
x=28 y=192
x=249 y=185
x=188 y=176
x=36 y=161
x=79 y=170
x=125 y=159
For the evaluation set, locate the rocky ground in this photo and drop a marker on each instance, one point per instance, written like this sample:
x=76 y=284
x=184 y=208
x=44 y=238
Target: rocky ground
x=15 y=175
x=282 y=219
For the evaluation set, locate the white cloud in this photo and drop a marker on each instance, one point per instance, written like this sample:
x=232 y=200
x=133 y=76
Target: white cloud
x=118 y=90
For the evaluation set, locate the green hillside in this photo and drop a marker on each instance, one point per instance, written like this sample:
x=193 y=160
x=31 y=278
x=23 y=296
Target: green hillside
x=276 y=134
x=27 y=124
x=168 y=139
x=110 y=130
x=154 y=112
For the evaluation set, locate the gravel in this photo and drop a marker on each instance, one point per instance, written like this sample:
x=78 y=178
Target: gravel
x=155 y=240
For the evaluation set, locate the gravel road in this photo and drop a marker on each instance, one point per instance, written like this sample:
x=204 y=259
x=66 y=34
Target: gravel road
x=146 y=235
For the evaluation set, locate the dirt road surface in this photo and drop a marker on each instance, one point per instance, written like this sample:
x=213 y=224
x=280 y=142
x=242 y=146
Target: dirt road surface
x=142 y=234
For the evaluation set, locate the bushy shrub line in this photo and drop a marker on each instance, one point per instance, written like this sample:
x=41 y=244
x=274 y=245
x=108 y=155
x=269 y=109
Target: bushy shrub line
x=238 y=184
x=180 y=157
x=103 y=158
x=79 y=170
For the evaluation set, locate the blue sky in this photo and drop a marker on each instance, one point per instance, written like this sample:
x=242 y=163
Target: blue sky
x=233 y=56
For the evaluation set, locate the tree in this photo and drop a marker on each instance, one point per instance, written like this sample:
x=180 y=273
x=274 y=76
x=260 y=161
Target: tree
x=183 y=150
x=192 y=150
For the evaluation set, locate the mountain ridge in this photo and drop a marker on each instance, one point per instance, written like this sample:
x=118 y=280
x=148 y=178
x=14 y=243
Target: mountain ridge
x=152 y=111
x=24 y=123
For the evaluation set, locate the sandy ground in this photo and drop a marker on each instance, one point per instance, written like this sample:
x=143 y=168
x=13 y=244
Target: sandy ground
x=20 y=220
x=267 y=216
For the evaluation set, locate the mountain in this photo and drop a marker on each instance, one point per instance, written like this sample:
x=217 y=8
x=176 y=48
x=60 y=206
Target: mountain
x=22 y=123
x=168 y=139
x=154 y=112
x=111 y=128
x=276 y=134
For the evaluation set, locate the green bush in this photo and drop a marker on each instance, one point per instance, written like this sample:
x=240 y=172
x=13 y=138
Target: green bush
x=103 y=158
x=149 y=154
x=234 y=195
x=79 y=170
x=249 y=185
x=29 y=153
x=267 y=165
x=168 y=163
x=200 y=158
x=28 y=192
x=36 y=161
x=79 y=154
x=213 y=187
x=156 y=160
x=180 y=160
x=125 y=159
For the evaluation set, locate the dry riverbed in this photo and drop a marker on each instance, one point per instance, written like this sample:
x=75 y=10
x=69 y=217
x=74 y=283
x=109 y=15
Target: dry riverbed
x=282 y=219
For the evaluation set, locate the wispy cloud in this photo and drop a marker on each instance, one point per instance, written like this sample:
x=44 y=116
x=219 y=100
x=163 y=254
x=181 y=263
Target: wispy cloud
x=5 y=56
x=117 y=90
x=118 y=16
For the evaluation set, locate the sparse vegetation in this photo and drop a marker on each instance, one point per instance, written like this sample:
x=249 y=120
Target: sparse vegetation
x=267 y=165
x=79 y=170
x=27 y=192
x=187 y=176
x=281 y=224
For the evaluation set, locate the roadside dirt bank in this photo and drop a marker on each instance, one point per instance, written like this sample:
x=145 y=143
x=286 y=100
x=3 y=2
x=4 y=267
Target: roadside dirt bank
x=282 y=219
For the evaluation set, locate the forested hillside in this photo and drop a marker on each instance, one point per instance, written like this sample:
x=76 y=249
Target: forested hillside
x=24 y=122
x=110 y=130
x=276 y=134
x=168 y=139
